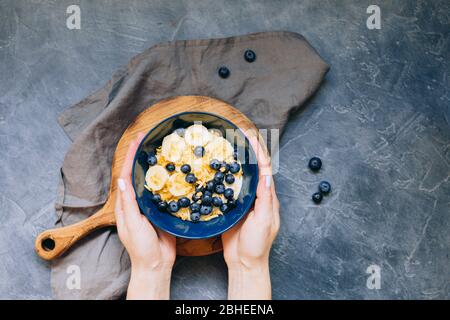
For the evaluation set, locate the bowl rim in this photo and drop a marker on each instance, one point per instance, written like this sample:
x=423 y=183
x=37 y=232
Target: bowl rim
x=245 y=209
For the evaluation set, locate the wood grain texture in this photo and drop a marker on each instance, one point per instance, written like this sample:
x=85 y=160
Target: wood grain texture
x=63 y=238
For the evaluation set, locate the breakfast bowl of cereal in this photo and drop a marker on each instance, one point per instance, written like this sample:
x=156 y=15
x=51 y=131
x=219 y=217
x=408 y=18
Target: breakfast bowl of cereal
x=195 y=175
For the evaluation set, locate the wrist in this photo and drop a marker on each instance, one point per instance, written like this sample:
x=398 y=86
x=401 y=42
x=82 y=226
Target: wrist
x=247 y=265
x=149 y=283
x=250 y=283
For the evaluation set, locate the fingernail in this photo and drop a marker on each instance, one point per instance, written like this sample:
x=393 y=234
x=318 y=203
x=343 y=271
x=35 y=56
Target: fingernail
x=121 y=184
x=268 y=181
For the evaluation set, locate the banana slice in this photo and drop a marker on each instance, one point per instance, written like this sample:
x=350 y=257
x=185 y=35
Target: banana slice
x=197 y=135
x=236 y=185
x=215 y=132
x=178 y=186
x=156 y=177
x=173 y=147
x=220 y=149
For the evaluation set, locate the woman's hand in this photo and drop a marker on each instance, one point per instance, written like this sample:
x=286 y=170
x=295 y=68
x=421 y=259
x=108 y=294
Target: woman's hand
x=246 y=246
x=152 y=252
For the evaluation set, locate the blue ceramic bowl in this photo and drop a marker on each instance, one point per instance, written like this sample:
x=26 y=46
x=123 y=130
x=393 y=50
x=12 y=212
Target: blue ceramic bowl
x=174 y=225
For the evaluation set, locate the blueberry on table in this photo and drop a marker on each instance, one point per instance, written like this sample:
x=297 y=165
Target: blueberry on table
x=228 y=193
x=195 y=207
x=195 y=216
x=162 y=206
x=249 y=56
x=170 y=167
x=317 y=197
x=206 y=200
x=156 y=198
x=220 y=188
x=151 y=159
x=215 y=164
x=185 y=168
x=184 y=202
x=235 y=167
x=224 y=208
x=315 y=164
x=190 y=178
x=205 y=210
x=173 y=206
x=218 y=177
x=199 y=151
x=224 y=72
x=229 y=178
x=210 y=186
x=324 y=187
x=217 y=202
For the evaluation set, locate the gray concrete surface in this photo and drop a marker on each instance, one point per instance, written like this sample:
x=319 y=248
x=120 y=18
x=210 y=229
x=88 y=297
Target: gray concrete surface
x=380 y=122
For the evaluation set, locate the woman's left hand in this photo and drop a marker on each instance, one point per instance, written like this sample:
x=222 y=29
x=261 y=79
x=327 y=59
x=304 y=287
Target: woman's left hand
x=152 y=251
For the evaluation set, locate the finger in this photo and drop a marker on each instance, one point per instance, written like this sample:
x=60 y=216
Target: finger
x=264 y=198
x=131 y=152
x=262 y=156
x=132 y=215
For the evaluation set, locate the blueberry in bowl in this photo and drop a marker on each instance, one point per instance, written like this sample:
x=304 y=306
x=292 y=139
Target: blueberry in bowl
x=193 y=176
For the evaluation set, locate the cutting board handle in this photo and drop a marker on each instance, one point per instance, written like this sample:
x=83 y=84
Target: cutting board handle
x=52 y=243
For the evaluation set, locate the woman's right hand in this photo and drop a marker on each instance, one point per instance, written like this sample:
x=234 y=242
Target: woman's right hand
x=247 y=245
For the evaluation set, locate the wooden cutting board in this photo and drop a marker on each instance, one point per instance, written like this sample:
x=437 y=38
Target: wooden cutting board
x=52 y=243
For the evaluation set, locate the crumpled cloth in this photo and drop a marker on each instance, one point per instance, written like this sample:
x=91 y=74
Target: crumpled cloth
x=286 y=72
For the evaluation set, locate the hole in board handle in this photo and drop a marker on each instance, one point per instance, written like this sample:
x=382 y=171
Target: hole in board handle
x=48 y=244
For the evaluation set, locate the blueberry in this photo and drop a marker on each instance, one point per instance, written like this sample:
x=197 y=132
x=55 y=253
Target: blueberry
x=224 y=72
x=199 y=151
x=190 y=178
x=229 y=178
x=184 y=202
x=224 y=168
x=218 y=177
x=173 y=206
x=206 y=200
x=210 y=185
x=249 y=56
x=231 y=203
x=215 y=164
x=205 y=210
x=315 y=164
x=220 y=188
x=156 y=198
x=170 y=167
x=228 y=193
x=216 y=201
x=195 y=207
x=162 y=206
x=207 y=193
x=324 y=187
x=199 y=188
x=235 y=167
x=224 y=208
x=151 y=159
x=195 y=216
x=317 y=197
x=185 y=168
x=180 y=132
